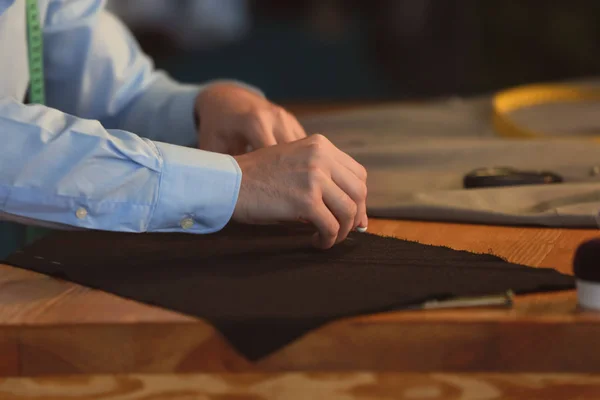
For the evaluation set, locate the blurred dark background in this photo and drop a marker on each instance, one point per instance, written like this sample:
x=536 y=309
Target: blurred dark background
x=335 y=50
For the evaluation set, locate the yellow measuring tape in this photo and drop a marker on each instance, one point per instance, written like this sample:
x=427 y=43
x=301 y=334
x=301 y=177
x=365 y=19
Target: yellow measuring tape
x=505 y=102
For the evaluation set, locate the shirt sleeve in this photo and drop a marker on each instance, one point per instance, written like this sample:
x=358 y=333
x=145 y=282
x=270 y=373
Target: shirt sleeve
x=60 y=170
x=95 y=69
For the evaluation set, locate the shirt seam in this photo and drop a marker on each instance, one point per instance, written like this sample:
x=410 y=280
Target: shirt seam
x=12 y=187
x=159 y=188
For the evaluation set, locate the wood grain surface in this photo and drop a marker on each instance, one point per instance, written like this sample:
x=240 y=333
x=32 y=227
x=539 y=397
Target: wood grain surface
x=313 y=386
x=48 y=326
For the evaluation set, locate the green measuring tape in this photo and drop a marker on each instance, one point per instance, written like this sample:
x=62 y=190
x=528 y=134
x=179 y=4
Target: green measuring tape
x=37 y=91
x=35 y=44
x=12 y=235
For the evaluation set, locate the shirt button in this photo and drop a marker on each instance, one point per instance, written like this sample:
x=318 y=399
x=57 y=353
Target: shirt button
x=81 y=213
x=187 y=223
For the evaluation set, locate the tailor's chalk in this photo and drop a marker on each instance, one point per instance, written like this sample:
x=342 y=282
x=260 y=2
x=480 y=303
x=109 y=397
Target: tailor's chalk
x=361 y=229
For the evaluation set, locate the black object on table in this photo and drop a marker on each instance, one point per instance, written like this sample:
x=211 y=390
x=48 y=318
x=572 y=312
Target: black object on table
x=506 y=176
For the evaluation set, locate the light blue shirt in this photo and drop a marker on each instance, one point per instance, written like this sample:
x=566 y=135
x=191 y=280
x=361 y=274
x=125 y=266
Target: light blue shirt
x=96 y=157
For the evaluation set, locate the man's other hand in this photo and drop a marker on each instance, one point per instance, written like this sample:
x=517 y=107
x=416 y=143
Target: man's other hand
x=232 y=118
x=307 y=180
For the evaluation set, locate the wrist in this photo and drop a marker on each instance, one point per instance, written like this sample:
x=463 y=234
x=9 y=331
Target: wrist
x=198 y=190
x=206 y=94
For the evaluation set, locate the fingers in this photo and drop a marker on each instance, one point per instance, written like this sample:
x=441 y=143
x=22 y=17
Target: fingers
x=344 y=188
x=298 y=130
x=349 y=175
x=328 y=208
x=341 y=157
x=286 y=127
x=342 y=206
x=363 y=222
x=351 y=164
x=327 y=225
x=355 y=189
x=275 y=126
x=259 y=131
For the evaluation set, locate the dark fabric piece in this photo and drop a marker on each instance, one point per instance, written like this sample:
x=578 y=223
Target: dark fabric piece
x=262 y=287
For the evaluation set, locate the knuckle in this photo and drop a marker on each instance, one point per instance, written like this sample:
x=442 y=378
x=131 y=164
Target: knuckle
x=315 y=162
x=255 y=119
x=362 y=191
x=350 y=209
x=279 y=112
x=332 y=229
x=264 y=113
x=319 y=138
x=318 y=141
x=317 y=149
x=314 y=177
x=315 y=173
x=363 y=172
x=307 y=202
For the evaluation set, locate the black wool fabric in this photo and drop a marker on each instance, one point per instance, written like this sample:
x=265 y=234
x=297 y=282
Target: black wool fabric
x=264 y=286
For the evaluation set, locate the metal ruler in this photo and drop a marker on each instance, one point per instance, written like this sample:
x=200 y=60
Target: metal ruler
x=35 y=45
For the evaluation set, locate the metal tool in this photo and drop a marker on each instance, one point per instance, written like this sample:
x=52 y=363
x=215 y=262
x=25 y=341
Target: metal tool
x=506 y=176
x=502 y=300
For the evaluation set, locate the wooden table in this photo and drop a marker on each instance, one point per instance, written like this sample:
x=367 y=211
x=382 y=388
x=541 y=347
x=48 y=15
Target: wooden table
x=301 y=386
x=48 y=326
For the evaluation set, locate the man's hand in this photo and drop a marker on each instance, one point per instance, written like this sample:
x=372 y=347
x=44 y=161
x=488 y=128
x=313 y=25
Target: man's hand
x=232 y=118
x=307 y=180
